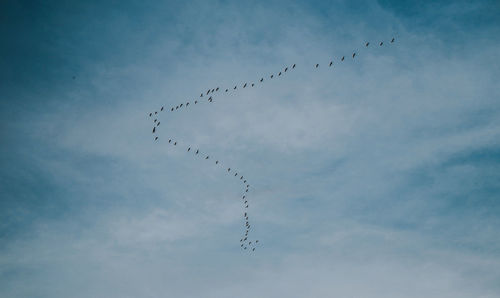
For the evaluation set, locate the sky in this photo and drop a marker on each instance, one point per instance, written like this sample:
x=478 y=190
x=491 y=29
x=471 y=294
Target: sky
x=378 y=177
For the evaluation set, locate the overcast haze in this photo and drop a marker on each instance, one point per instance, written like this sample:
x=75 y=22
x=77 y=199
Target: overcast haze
x=379 y=177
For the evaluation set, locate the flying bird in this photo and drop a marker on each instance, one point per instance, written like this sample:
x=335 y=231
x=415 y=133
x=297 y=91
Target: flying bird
x=293 y=66
x=272 y=76
x=161 y=109
x=226 y=90
x=150 y=114
x=252 y=84
x=154 y=129
x=279 y=73
x=234 y=88
x=170 y=140
x=189 y=149
x=216 y=162
x=342 y=58
x=381 y=43
x=207 y=157
x=195 y=102
x=172 y=109
x=156 y=113
x=331 y=62
x=245 y=85
x=180 y=106
x=155 y=120
x=392 y=40
x=367 y=44
x=176 y=107
x=228 y=169
x=353 y=54
x=261 y=79
x=201 y=95
x=187 y=103
x=197 y=151
x=175 y=143
x=253 y=249
x=286 y=68
x=158 y=124
x=217 y=89
x=156 y=138
x=213 y=90
x=317 y=65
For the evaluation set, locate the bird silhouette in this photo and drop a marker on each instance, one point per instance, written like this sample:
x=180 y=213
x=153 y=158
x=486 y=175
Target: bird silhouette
x=367 y=44
x=195 y=102
x=342 y=58
x=392 y=40
x=150 y=114
x=189 y=149
x=175 y=143
x=187 y=103
x=228 y=169
x=180 y=106
x=155 y=120
x=226 y=90
x=213 y=90
x=207 y=157
x=353 y=54
x=201 y=95
x=279 y=73
x=272 y=76
x=156 y=138
x=245 y=85
x=317 y=65
x=261 y=79
x=161 y=109
x=293 y=66
x=216 y=162
x=234 y=88
x=176 y=107
x=252 y=84
x=171 y=109
x=197 y=151
x=154 y=129
x=286 y=68
x=381 y=43
x=169 y=140
x=217 y=89
x=156 y=113
x=158 y=124
x=331 y=63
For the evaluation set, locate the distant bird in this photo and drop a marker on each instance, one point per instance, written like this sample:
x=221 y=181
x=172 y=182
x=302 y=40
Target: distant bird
x=156 y=113
x=156 y=138
x=241 y=177
x=170 y=140
x=342 y=58
x=293 y=66
x=245 y=181
x=171 y=109
x=248 y=185
x=272 y=76
x=228 y=169
x=245 y=247
x=286 y=68
x=187 y=103
x=154 y=129
x=207 y=157
x=245 y=214
x=256 y=241
x=253 y=249
x=243 y=198
x=317 y=65
x=252 y=84
x=392 y=40
x=367 y=44
x=381 y=43
x=180 y=106
x=158 y=124
x=245 y=85
x=210 y=99
x=261 y=79
x=279 y=73
x=246 y=206
x=241 y=245
x=155 y=120
x=216 y=162
x=208 y=91
x=353 y=54
x=217 y=89
x=226 y=90
x=161 y=109
x=245 y=239
x=245 y=203
x=234 y=87
x=189 y=149
x=246 y=190
x=150 y=114
x=201 y=95
x=195 y=102
x=213 y=90
x=176 y=107
x=197 y=151
x=175 y=143
x=331 y=62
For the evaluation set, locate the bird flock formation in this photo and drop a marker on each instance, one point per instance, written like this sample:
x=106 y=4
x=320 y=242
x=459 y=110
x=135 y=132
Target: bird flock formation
x=246 y=243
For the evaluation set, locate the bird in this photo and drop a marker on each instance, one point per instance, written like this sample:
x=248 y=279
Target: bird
x=241 y=177
x=213 y=90
x=210 y=99
x=150 y=114
x=392 y=40
x=245 y=85
x=261 y=79
x=195 y=102
x=187 y=103
x=175 y=143
x=353 y=54
x=245 y=181
x=180 y=106
x=381 y=43
x=245 y=239
x=156 y=113
x=317 y=65
x=250 y=242
x=161 y=109
x=158 y=124
x=279 y=73
x=217 y=89
x=197 y=151
x=170 y=140
x=245 y=212
x=286 y=68
x=156 y=138
x=216 y=162
x=189 y=149
x=236 y=174
x=226 y=90
x=256 y=241
x=171 y=109
x=245 y=247
x=208 y=91
x=155 y=120
x=176 y=107
x=253 y=249
x=228 y=169
x=342 y=58
x=293 y=66
x=154 y=129
x=207 y=157
x=246 y=190
x=331 y=62
x=272 y=76
x=367 y=44
x=252 y=84
x=248 y=185
x=201 y=95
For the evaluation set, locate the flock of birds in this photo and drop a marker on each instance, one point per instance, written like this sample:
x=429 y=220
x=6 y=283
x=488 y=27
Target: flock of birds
x=246 y=243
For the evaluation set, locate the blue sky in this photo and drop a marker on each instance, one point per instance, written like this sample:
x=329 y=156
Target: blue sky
x=377 y=178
